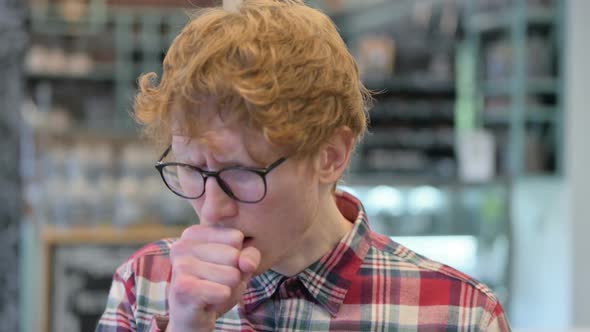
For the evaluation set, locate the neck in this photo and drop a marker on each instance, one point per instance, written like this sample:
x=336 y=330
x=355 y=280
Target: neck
x=327 y=228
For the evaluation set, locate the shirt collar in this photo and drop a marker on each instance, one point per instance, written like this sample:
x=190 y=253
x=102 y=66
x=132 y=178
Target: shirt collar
x=328 y=279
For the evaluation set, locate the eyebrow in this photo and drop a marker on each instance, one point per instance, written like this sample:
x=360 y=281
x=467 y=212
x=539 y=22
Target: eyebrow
x=225 y=164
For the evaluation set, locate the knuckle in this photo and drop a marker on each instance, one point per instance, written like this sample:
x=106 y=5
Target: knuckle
x=233 y=277
x=224 y=293
x=182 y=287
x=221 y=253
x=178 y=268
x=189 y=232
x=184 y=266
x=236 y=237
x=233 y=256
x=177 y=249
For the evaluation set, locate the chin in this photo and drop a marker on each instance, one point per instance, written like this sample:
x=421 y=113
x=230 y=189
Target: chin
x=265 y=265
x=261 y=269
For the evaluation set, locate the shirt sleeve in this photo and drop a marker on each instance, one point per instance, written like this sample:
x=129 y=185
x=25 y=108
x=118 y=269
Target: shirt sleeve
x=119 y=313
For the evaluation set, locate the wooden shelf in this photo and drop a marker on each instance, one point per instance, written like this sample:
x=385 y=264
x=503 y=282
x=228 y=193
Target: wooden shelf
x=108 y=234
x=100 y=235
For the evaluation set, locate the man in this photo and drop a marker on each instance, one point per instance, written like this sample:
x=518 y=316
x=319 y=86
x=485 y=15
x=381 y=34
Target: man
x=259 y=110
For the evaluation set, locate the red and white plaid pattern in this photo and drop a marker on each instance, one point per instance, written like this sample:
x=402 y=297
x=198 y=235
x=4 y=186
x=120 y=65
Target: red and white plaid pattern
x=366 y=283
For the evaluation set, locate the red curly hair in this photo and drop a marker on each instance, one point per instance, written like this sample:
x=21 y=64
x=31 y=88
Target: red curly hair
x=279 y=66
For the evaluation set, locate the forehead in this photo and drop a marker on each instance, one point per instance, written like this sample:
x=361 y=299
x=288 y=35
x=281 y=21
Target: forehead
x=227 y=142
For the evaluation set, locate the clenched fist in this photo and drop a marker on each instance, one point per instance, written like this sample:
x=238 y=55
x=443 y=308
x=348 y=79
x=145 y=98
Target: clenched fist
x=210 y=270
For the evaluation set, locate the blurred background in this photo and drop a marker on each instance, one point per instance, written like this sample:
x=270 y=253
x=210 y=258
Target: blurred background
x=477 y=155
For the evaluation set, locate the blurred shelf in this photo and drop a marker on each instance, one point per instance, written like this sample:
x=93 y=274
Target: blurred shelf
x=504 y=87
x=498 y=20
x=58 y=27
x=384 y=111
x=105 y=74
x=540 y=176
x=108 y=234
x=117 y=135
x=49 y=19
x=370 y=17
x=384 y=140
x=534 y=114
x=411 y=85
x=376 y=178
x=103 y=20
x=542 y=15
x=164 y=4
x=512 y=30
x=433 y=149
x=101 y=73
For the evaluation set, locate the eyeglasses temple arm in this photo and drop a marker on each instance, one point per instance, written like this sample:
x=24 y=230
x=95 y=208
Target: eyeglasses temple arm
x=165 y=153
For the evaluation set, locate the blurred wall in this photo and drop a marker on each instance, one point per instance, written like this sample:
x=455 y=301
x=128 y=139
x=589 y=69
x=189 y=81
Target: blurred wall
x=541 y=283
x=12 y=39
x=577 y=138
x=550 y=288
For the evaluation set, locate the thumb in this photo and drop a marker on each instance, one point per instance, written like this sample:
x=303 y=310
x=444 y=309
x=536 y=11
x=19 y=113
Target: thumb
x=248 y=261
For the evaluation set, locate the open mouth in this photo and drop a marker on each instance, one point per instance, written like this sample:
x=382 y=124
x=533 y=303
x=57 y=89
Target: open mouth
x=247 y=241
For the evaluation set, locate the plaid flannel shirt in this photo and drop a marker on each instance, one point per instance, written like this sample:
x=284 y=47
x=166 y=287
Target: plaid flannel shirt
x=366 y=283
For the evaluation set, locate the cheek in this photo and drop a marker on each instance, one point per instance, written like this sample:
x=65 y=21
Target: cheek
x=290 y=201
x=297 y=182
x=286 y=212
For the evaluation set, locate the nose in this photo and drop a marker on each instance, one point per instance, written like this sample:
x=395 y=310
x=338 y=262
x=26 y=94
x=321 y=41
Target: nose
x=215 y=206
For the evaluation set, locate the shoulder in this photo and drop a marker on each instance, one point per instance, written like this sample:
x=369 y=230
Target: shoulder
x=151 y=262
x=432 y=283
x=138 y=291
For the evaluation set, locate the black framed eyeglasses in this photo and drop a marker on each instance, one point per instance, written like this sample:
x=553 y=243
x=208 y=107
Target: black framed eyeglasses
x=244 y=184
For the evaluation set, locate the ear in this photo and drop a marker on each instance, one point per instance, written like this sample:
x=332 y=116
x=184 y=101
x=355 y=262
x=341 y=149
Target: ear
x=335 y=156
